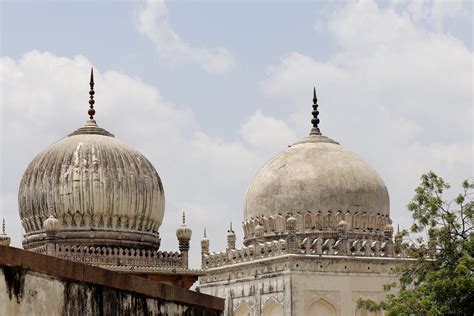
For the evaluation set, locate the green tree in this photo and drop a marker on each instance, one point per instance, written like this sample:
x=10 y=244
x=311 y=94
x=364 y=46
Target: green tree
x=439 y=279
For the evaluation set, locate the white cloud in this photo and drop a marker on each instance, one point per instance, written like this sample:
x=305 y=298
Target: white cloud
x=395 y=92
x=153 y=22
x=44 y=97
x=266 y=133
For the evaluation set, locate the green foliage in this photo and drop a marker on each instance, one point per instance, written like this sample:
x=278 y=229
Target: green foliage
x=439 y=279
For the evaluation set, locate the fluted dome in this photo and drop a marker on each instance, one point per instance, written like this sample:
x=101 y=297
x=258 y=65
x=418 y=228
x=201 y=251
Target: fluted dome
x=100 y=189
x=316 y=174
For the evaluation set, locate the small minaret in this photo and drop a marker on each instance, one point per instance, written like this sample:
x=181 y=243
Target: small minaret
x=398 y=241
x=4 y=238
x=204 y=249
x=51 y=226
x=230 y=238
x=342 y=245
x=388 y=236
x=291 y=238
x=205 y=243
x=184 y=234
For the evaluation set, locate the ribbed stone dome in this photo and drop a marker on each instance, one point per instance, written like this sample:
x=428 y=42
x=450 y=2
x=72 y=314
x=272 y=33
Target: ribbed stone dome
x=313 y=175
x=101 y=190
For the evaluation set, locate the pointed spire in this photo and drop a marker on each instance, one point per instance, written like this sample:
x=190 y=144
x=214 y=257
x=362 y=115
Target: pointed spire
x=184 y=218
x=398 y=228
x=3 y=226
x=91 y=111
x=231 y=226
x=315 y=120
x=205 y=233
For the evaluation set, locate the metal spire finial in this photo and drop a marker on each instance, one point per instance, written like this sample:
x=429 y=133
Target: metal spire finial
x=205 y=233
x=315 y=120
x=184 y=218
x=91 y=110
x=398 y=228
x=3 y=226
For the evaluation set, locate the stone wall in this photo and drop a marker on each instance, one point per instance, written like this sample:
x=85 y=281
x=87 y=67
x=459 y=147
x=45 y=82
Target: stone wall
x=36 y=284
x=300 y=284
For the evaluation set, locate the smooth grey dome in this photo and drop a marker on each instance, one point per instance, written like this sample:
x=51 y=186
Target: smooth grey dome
x=92 y=182
x=316 y=174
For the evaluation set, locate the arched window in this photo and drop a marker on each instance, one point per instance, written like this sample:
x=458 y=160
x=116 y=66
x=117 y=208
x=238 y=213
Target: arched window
x=273 y=308
x=321 y=307
x=243 y=310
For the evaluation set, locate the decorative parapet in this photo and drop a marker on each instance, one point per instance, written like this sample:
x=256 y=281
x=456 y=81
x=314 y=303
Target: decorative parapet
x=309 y=246
x=108 y=256
x=318 y=222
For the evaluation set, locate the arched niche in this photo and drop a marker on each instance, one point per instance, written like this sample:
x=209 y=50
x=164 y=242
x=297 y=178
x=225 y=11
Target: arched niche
x=272 y=308
x=321 y=307
x=243 y=310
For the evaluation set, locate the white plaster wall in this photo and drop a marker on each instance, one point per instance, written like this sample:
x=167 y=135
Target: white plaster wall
x=339 y=284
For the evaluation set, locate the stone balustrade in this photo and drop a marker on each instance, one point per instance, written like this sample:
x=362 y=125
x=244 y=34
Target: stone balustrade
x=118 y=256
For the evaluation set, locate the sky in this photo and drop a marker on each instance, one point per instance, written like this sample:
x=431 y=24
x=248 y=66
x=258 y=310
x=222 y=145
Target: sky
x=209 y=91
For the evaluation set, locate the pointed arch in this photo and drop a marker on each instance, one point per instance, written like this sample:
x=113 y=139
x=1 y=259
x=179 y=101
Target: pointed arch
x=321 y=307
x=272 y=308
x=243 y=310
x=308 y=221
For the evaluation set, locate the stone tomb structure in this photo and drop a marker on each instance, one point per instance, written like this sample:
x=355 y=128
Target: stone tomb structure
x=317 y=236
x=91 y=198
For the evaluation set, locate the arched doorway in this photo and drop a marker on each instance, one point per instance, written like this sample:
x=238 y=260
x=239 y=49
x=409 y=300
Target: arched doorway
x=321 y=307
x=243 y=310
x=273 y=308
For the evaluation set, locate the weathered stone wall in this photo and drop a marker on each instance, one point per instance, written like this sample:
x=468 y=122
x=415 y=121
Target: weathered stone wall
x=35 y=284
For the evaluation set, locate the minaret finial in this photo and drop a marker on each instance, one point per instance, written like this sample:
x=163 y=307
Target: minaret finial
x=205 y=233
x=3 y=226
x=184 y=218
x=91 y=110
x=231 y=226
x=315 y=120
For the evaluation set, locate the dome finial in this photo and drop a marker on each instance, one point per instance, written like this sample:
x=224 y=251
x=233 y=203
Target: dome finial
x=91 y=110
x=315 y=120
x=184 y=218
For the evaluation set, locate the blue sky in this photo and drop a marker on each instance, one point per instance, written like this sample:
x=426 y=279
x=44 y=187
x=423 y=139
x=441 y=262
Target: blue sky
x=209 y=91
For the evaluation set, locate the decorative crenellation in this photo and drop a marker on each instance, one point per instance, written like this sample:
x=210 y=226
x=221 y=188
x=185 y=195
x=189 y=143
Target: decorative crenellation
x=97 y=220
x=115 y=256
x=244 y=254
x=318 y=221
x=310 y=246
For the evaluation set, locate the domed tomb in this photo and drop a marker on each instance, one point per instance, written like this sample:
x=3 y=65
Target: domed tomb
x=102 y=192
x=320 y=182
